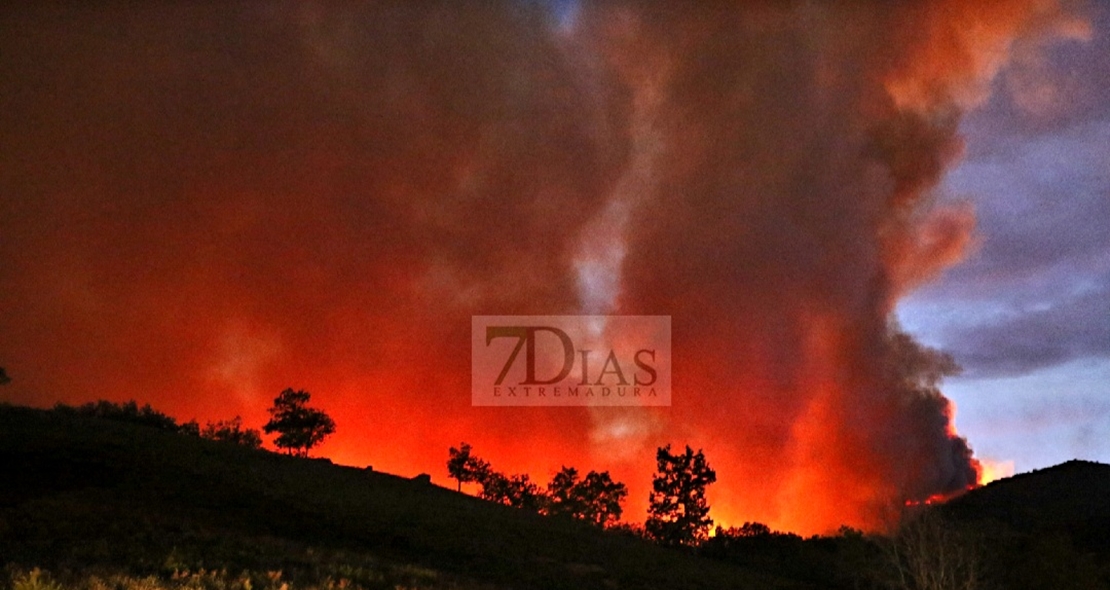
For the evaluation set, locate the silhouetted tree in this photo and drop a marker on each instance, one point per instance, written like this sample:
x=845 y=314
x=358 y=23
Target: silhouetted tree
x=679 y=513
x=232 y=431
x=563 y=493
x=517 y=491
x=465 y=467
x=595 y=498
x=603 y=498
x=299 y=427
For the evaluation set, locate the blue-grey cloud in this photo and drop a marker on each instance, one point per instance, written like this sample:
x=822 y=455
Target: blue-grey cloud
x=1068 y=330
x=1035 y=292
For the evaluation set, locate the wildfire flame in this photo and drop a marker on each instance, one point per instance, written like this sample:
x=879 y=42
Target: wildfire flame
x=939 y=498
x=990 y=470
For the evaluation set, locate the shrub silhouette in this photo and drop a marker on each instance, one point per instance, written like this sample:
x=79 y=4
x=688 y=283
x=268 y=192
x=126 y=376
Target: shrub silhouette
x=232 y=431
x=35 y=579
x=299 y=427
x=126 y=412
x=190 y=428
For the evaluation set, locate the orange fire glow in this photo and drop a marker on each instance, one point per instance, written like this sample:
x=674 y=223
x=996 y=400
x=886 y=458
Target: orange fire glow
x=991 y=470
x=939 y=498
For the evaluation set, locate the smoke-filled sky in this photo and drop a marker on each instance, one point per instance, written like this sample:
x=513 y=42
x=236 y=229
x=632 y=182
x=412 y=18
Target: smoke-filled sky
x=1027 y=313
x=201 y=205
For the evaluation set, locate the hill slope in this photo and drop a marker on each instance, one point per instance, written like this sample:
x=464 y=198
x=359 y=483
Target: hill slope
x=1071 y=499
x=81 y=494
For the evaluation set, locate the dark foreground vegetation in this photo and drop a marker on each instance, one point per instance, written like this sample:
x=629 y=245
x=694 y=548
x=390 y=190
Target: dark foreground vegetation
x=91 y=500
x=104 y=502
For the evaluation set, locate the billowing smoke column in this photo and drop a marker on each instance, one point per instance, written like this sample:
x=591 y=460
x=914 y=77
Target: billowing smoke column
x=203 y=205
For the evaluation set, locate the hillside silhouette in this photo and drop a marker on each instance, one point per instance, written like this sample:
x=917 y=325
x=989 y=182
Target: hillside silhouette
x=1071 y=499
x=83 y=494
x=88 y=498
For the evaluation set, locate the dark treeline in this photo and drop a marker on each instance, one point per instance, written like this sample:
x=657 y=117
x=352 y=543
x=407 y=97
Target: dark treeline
x=594 y=498
x=299 y=428
x=131 y=413
x=678 y=515
x=230 y=431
